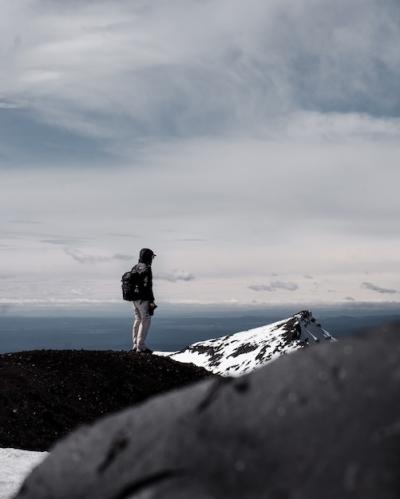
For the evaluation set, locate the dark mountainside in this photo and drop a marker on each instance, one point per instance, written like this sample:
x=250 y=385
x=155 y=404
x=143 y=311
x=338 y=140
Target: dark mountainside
x=44 y=394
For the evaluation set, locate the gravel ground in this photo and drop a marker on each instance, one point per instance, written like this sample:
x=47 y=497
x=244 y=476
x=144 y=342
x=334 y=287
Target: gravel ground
x=44 y=394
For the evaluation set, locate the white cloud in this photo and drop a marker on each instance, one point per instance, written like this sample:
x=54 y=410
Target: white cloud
x=82 y=257
x=175 y=276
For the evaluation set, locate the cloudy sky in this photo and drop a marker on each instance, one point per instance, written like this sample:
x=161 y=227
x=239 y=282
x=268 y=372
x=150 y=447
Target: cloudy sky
x=253 y=145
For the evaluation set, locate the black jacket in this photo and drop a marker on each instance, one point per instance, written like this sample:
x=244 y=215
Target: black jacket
x=146 y=273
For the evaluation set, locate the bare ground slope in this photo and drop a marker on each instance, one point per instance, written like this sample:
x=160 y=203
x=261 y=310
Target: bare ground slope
x=44 y=394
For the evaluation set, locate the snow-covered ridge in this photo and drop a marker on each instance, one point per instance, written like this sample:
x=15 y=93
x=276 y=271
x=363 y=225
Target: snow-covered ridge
x=242 y=352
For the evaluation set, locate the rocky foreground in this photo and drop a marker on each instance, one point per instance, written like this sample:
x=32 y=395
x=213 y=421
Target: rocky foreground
x=323 y=422
x=44 y=394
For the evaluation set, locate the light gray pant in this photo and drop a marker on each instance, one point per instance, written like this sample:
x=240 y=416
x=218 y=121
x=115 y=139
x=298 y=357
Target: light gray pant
x=141 y=324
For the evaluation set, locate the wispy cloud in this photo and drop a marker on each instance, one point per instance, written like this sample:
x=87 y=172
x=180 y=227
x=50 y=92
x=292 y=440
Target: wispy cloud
x=123 y=234
x=81 y=257
x=4 y=275
x=25 y=222
x=175 y=276
x=378 y=289
x=191 y=239
x=60 y=241
x=274 y=286
x=120 y=256
x=9 y=104
x=339 y=58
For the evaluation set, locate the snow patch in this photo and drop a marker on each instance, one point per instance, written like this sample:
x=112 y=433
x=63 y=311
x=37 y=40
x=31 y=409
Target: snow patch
x=15 y=465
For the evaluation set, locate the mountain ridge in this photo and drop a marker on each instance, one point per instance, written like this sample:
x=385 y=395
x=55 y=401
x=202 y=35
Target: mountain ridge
x=242 y=352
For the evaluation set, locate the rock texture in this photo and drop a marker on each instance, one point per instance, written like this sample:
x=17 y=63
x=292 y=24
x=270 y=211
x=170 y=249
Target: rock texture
x=242 y=352
x=44 y=394
x=321 y=423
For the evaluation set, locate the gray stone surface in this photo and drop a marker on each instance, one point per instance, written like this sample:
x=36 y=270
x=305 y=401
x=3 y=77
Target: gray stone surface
x=321 y=423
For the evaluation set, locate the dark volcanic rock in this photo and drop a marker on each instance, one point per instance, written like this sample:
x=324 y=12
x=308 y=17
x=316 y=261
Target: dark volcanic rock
x=44 y=394
x=321 y=423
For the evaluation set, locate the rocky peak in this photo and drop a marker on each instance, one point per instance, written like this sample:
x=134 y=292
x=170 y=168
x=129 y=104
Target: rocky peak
x=241 y=352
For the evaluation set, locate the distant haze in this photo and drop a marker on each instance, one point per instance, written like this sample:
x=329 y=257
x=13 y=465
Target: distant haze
x=253 y=145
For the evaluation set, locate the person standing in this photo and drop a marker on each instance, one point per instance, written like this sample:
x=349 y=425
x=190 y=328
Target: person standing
x=143 y=304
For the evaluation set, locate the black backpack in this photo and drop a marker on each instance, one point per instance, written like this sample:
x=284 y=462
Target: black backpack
x=132 y=285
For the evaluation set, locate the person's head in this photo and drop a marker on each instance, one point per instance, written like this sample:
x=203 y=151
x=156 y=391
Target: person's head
x=146 y=255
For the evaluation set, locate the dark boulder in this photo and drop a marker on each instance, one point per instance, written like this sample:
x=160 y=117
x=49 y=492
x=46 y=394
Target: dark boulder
x=321 y=423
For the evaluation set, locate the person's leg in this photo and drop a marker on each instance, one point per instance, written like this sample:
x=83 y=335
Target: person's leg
x=144 y=325
x=136 y=324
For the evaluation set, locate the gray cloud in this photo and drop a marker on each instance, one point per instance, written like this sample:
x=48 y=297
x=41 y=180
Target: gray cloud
x=4 y=275
x=48 y=237
x=261 y=287
x=123 y=234
x=378 y=289
x=25 y=222
x=240 y=74
x=120 y=256
x=349 y=298
x=274 y=286
x=61 y=242
x=175 y=276
x=82 y=257
x=27 y=140
x=9 y=104
x=191 y=239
